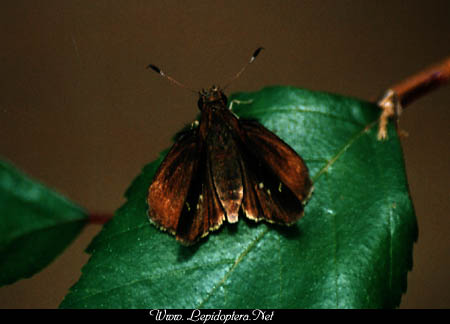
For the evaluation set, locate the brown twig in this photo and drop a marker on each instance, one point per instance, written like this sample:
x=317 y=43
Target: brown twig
x=403 y=93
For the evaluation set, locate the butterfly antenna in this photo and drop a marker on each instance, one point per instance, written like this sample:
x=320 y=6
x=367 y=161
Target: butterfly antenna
x=168 y=77
x=255 y=54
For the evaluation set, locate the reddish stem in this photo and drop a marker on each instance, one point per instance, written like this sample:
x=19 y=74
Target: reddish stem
x=99 y=218
x=403 y=93
x=423 y=82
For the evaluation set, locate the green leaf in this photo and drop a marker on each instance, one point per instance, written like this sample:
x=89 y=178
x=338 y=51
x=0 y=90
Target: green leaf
x=36 y=224
x=352 y=249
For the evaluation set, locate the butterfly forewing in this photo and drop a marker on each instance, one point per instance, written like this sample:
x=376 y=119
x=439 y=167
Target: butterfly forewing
x=182 y=198
x=170 y=186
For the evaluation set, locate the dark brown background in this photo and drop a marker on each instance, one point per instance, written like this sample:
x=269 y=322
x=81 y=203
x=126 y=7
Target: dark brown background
x=79 y=111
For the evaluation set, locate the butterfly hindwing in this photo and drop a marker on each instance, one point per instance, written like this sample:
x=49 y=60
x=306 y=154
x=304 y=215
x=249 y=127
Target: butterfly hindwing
x=288 y=166
x=265 y=196
x=276 y=182
x=202 y=211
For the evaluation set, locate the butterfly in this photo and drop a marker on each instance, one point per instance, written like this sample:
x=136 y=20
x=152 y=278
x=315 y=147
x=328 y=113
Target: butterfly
x=223 y=167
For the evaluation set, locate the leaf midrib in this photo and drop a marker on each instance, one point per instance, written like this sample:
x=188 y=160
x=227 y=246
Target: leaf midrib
x=235 y=264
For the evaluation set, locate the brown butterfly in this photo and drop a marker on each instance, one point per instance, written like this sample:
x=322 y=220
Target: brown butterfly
x=224 y=165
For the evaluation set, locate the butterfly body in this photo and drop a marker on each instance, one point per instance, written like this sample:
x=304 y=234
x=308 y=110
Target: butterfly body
x=224 y=167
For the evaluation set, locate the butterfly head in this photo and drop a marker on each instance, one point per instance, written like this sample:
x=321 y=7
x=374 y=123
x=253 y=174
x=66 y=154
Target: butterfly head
x=212 y=97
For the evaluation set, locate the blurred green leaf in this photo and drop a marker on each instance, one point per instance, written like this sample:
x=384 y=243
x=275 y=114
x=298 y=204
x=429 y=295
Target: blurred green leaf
x=36 y=225
x=352 y=249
